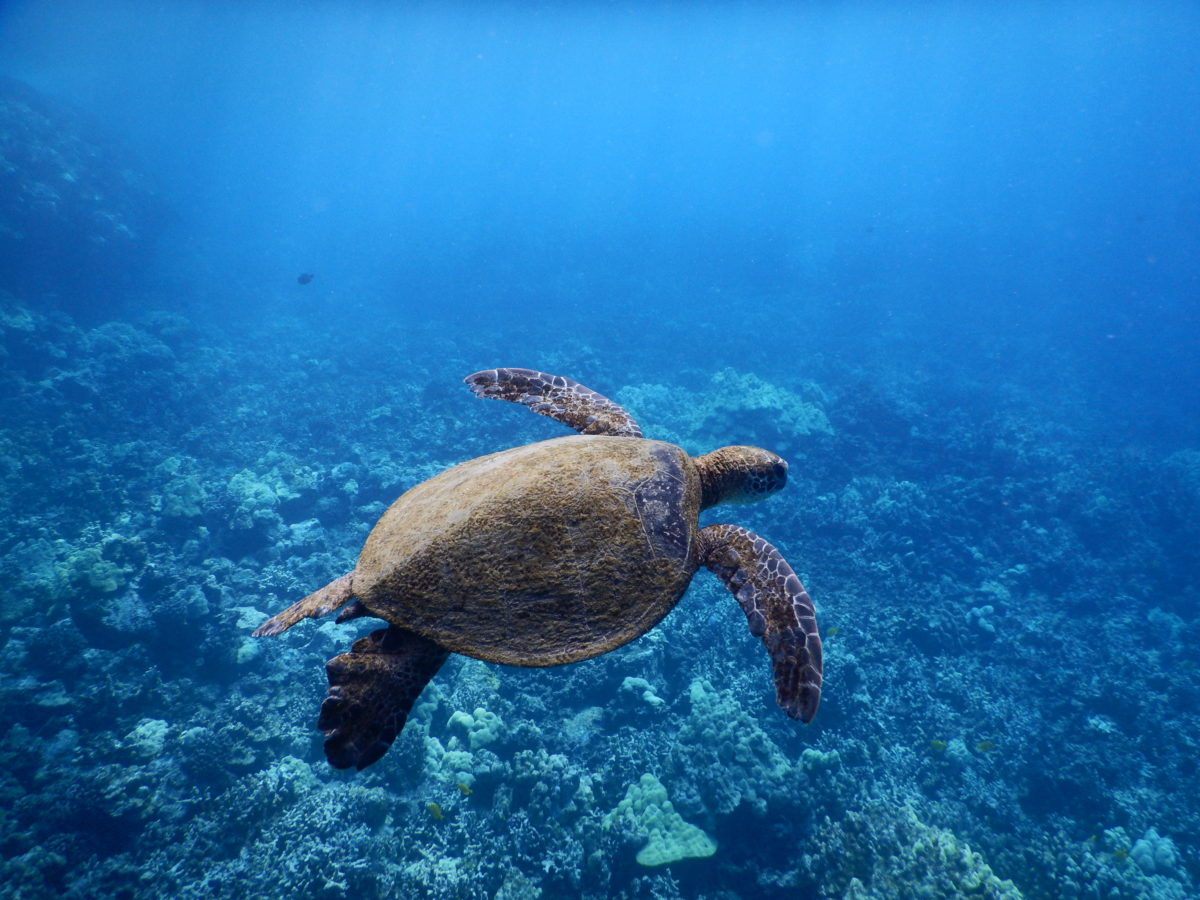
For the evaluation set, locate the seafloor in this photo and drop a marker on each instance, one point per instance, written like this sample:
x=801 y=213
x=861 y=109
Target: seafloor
x=1011 y=701
x=1005 y=589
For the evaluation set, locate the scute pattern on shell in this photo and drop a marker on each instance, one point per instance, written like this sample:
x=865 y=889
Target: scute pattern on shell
x=539 y=555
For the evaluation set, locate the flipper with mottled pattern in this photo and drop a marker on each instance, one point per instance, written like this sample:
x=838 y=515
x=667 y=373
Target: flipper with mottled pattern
x=371 y=692
x=777 y=608
x=559 y=398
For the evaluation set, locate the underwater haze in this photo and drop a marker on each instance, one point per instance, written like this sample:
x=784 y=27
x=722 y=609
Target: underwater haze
x=942 y=257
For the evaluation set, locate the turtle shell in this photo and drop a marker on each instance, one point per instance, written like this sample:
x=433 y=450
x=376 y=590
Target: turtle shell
x=543 y=554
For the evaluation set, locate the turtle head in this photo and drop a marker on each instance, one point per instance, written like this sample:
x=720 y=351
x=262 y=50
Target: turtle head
x=739 y=475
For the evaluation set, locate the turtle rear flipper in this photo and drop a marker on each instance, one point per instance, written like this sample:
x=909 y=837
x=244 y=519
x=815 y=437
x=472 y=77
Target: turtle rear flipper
x=317 y=604
x=557 y=397
x=778 y=610
x=371 y=692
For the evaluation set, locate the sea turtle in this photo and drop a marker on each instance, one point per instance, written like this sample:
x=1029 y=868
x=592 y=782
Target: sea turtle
x=551 y=553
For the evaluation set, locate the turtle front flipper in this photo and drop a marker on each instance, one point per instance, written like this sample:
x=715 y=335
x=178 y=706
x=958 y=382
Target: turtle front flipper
x=371 y=692
x=317 y=604
x=559 y=398
x=778 y=610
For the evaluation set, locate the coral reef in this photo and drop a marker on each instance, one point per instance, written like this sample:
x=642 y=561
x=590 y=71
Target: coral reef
x=648 y=815
x=977 y=739
x=73 y=211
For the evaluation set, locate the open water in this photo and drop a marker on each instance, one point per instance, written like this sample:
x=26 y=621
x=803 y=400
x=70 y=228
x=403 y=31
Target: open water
x=943 y=257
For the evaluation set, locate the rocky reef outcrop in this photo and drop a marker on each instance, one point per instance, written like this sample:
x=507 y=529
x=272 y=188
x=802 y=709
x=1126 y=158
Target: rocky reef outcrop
x=77 y=219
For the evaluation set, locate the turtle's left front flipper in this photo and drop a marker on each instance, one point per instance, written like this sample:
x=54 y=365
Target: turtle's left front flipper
x=557 y=397
x=371 y=692
x=777 y=608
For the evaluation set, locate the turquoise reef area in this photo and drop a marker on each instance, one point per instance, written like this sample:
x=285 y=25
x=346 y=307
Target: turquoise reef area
x=235 y=317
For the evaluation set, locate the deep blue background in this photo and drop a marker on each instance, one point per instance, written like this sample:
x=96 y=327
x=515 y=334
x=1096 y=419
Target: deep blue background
x=1020 y=174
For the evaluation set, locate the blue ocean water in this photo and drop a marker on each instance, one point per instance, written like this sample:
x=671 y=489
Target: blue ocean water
x=944 y=258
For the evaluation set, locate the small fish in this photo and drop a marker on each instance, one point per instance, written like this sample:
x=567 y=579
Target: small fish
x=464 y=789
x=938 y=746
x=985 y=746
x=435 y=810
x=305 y=278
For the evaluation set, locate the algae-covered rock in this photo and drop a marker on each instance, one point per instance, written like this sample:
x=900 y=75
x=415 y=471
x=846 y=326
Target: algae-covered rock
x=646 y=812
x=762 y=410
x=723 y=747
x=148 y=738
x=478 y=729
x=72 y=206
x=254 y=501
x=182 y=493
x=885 y=851
x=643 y=689
x=256 y=496
x=1155 y=854
x=31 y=577
x=106 y=561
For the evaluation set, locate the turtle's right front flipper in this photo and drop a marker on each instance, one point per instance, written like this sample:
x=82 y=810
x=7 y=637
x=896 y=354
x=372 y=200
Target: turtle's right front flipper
x=777 y=608
x=558 y=398
x=371 y=692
